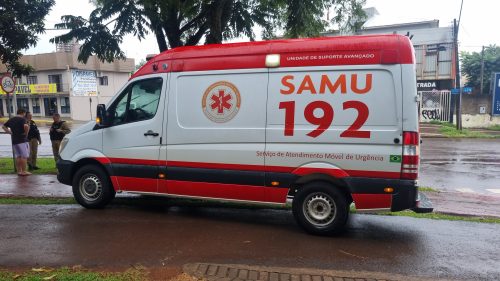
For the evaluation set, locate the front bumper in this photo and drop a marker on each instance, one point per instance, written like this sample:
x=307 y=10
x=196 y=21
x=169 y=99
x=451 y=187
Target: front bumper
x=65 y=171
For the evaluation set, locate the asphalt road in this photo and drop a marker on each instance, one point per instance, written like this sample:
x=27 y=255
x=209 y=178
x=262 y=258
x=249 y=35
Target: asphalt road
x=156 y=235
x=44 y=150
x=464 y=165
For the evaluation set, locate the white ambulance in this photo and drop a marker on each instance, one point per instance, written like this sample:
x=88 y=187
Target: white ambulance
x=317 y=122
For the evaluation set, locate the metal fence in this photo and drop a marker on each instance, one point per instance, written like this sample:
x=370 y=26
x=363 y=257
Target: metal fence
x=434 y=105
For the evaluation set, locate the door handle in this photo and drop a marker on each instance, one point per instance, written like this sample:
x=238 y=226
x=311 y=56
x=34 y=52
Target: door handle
x=151 y=133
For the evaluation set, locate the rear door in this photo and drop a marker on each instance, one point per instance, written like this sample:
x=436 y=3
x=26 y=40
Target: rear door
x=132 y=142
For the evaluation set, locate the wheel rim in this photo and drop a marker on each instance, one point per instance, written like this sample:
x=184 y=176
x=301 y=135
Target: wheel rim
x=319 y=209
x=90 y=187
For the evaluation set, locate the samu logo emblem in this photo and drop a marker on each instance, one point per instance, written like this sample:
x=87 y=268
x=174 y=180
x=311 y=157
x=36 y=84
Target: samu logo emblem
x=221 y=102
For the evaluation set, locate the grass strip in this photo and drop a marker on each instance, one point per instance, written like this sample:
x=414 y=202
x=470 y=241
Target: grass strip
x=452 y=132
x=36 y=201
x=427 y=189
x=69 y=274
x=47 y=165
x=493 y=128
x=438 y=216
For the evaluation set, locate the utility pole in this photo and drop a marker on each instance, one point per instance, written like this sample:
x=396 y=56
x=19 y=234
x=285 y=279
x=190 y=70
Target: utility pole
x=458 y=99
x=482 y=70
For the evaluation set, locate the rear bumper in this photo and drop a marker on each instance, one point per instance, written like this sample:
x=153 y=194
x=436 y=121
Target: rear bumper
x=64 y=171
x=368 y=193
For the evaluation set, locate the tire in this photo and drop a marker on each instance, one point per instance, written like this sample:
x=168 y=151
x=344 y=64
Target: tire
x=320 y=209
x=92 y=187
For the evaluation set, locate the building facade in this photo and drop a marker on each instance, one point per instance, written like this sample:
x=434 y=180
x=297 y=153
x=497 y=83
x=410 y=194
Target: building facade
x=434 y=49
x=62 y=84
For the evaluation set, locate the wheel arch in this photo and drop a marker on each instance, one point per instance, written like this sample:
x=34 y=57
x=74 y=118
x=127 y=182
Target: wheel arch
x=92 y=161
x=335 y=182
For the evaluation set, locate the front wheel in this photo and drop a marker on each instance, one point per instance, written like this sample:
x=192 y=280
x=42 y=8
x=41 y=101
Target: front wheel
x=92 y=188
x=320 y=209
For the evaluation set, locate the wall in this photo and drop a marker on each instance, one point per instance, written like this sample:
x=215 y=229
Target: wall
x=471 y=117
x=83 y=109
x=479 y=120
x=471 y=103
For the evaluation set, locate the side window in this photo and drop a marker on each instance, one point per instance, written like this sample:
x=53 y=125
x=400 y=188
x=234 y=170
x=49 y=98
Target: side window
x=138 y=102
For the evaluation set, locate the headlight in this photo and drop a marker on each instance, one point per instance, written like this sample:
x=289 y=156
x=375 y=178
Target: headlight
x=63 y=145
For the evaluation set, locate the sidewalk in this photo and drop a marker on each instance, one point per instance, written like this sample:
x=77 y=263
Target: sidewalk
x=229 y=272
x=453 y=203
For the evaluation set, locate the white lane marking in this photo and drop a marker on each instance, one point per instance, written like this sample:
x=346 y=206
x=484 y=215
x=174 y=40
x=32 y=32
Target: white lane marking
x=494 y=190
x=465 y=190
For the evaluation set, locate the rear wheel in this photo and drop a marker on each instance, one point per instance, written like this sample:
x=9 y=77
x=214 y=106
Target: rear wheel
x=92 y=188
x=320 y=209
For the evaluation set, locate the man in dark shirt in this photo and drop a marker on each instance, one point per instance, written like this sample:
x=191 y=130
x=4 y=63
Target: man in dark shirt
x=57 y=132
x=34 y=140
x=18 y=128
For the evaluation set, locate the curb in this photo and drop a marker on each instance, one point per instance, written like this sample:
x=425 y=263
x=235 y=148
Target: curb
x=232 y=272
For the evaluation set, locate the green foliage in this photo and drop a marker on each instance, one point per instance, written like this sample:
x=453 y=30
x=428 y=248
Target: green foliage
x=186 y=22
x=47 y=166
x=140 y=64
x=20 y=23
x=471 y=66
x=304 y=18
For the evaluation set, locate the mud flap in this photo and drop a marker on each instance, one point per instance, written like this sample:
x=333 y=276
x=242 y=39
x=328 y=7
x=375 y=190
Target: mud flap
x=424 y=205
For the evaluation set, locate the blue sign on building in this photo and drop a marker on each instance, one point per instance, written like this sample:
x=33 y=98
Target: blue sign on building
x=467 y=90
x=495 y=106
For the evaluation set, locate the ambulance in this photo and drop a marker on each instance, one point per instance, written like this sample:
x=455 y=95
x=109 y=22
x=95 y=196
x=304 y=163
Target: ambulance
x=316 y=123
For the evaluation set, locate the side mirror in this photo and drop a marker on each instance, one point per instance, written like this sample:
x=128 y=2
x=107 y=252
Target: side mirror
x=101 y=118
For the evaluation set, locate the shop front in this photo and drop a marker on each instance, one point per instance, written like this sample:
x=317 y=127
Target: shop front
x=42 y=100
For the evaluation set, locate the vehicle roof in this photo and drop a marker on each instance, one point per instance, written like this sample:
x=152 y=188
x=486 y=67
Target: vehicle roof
x=341 y=50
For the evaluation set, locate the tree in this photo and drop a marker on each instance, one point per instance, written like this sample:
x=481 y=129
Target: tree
x=187 y=22
x=471 y=67
x=20 y=23
x=140 y=64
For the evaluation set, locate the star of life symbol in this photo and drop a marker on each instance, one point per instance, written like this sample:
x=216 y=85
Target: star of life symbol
x=221 y=101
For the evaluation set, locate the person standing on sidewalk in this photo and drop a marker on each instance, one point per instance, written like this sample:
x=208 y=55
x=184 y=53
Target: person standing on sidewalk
x=34 y=140
x=18 y=128
x=57 y=132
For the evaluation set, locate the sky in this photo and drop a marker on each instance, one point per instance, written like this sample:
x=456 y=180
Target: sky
x=476 y=24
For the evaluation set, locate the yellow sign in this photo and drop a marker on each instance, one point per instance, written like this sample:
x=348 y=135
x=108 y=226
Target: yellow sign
x=34 y=89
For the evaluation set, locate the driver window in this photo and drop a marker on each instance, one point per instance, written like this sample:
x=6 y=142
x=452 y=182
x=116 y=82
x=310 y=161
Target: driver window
x=138 y=102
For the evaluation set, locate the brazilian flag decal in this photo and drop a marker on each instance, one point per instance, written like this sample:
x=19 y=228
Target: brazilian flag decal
x=395 y=159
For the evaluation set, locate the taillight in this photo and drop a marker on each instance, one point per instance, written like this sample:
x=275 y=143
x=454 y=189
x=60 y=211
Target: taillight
x=411 y=152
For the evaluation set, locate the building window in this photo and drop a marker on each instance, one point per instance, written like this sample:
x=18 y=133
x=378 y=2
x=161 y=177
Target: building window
x=22 y=103
x=56 y=79
x=32 y=80
x=65 y=105
x=103 y=81
x=36 y=105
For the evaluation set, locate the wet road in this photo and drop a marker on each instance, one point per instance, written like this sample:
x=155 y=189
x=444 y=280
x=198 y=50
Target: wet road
x=465 y=165
x=44 y=150
x=160 y=236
